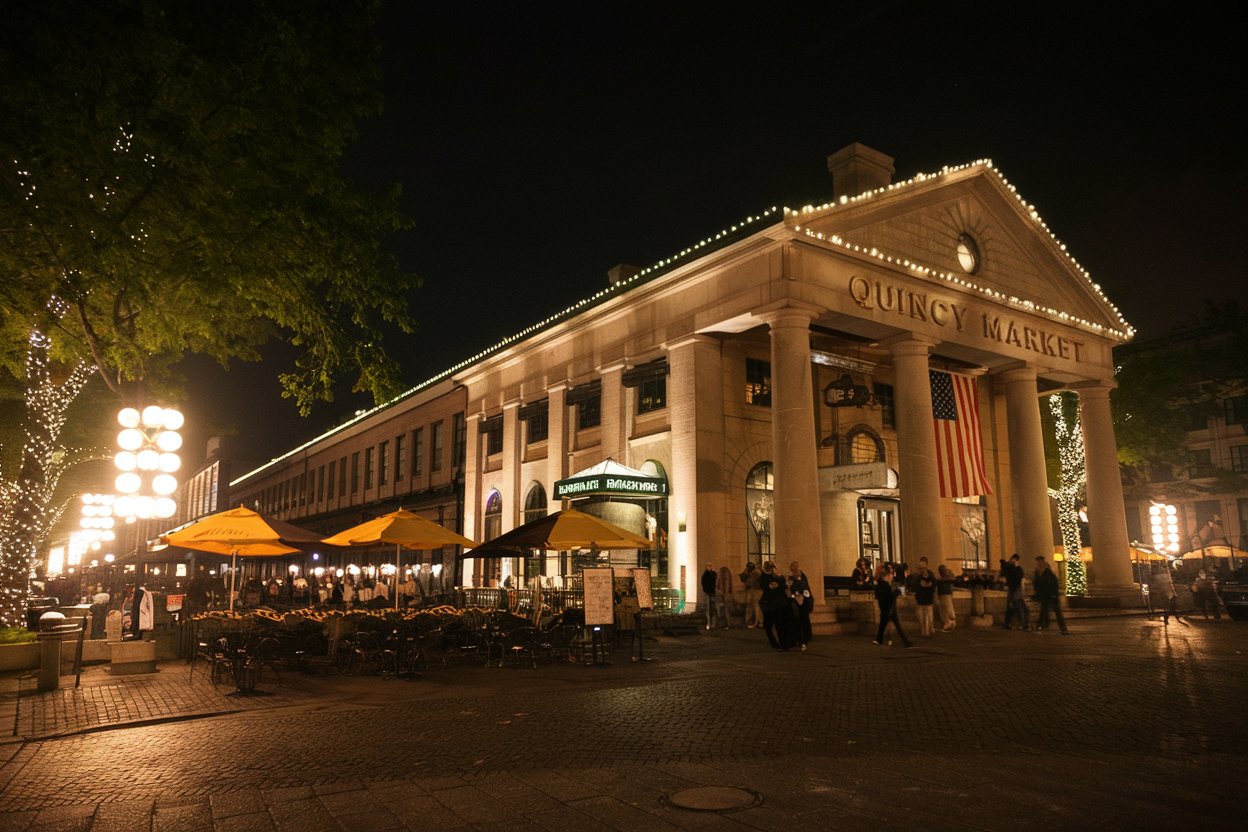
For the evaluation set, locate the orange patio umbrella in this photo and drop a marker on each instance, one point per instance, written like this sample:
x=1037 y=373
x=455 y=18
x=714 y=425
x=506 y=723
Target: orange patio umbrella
x=402 y=528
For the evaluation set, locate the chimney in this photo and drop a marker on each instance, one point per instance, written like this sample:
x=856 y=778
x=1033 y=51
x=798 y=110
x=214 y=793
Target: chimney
x=857 y=168
x=618 y=274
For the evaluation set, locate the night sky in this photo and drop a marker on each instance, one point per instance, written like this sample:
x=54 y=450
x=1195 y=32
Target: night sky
x=539 y=144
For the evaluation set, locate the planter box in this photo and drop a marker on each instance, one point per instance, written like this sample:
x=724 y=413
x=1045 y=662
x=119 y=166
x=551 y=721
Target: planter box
x=130 y=657
x=19 y=656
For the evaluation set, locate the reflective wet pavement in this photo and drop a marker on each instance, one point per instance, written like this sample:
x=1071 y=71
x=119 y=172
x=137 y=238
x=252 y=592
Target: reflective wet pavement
x=1124 y=724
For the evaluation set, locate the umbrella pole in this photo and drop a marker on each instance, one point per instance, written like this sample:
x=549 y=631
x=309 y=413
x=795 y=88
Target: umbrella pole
x=398 y=549
x=233 y=563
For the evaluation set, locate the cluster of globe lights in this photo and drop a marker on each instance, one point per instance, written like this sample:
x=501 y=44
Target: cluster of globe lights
x=97 y=519
x=148 y=440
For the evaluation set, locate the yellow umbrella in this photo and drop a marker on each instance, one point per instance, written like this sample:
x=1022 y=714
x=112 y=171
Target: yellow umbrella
x=570 y=529
x=240 y=531
x=402 y=528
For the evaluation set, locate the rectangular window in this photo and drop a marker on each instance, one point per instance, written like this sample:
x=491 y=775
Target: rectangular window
x=400 y=457
x=320 y=483
x=589 y=412
x=758 y=382
x=1241 y=505
x=355 y=472
x=1239 y=457
x=333 y=469
x=1200 y=463
x=652 y=394
x=459 y=439
x=493 y=430
x=435 y=446
x=1196 y=417
x=369 y=461
x=1237 y=410
x=303 y=488
x=883 y=394
x=537 y=427
x=383 y=463
x=342 y=477
x=418 y=451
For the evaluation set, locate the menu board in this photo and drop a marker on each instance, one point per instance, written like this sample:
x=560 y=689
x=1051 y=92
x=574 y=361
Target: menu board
x=599 y=595
x=641 y=580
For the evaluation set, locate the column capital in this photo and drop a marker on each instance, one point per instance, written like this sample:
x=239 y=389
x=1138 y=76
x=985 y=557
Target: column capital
x=1021 y=373
x=556 y=386
x=511 y=404
x=1097 y=389
x=909 y=344
x=791 y=314
x=616 y=366
x=689 y=341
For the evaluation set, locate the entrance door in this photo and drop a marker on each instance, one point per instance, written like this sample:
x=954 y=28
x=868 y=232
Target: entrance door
x=878 y=531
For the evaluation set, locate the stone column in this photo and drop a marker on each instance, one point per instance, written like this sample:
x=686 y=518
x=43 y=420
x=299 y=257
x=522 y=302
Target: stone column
x=556 y=440
x=921 y=526
x=1107 y=516
x=697 y=500
x=509 y=484
x=613 y=417
x=1029 y=481
x=472 y=490
x=797 y=524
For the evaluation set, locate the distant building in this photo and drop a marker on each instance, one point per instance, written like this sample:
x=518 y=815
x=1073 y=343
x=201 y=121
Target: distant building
x=803 y=385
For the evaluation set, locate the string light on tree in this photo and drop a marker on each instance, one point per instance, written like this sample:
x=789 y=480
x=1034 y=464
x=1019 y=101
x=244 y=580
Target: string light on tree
x=1074 y=477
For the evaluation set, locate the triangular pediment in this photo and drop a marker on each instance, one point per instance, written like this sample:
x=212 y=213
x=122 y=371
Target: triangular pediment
x=922 y=222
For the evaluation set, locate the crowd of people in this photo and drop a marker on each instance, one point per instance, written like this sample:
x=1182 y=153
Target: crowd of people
x=778 y=604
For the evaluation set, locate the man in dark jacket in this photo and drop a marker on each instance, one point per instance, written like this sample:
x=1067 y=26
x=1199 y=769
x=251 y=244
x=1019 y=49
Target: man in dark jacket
x=708 y=590
x=1048 y=593
x=886 y=598
x=1015 y=604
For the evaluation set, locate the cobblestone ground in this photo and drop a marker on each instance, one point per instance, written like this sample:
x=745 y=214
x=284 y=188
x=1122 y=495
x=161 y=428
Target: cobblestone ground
x=1124 y=724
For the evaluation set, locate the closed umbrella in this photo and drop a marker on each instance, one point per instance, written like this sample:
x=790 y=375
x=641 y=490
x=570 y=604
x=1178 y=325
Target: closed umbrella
x=403 y=529
x=240 y=531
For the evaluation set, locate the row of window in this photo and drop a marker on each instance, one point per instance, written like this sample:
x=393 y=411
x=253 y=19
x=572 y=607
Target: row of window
x=1234 y=412
x=1200 y=462
x=389 y=460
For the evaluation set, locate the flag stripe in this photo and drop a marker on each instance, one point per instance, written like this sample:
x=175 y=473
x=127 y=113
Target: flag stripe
x=959 y=447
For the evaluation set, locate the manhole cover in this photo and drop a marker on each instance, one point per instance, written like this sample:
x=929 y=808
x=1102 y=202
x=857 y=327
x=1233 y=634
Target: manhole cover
x=715 y=799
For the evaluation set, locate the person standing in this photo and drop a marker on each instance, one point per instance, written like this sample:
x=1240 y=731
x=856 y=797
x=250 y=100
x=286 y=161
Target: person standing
x=861 y=576
x=924 y=583
x=1205 y=592
x=723 y=596
x=799 y=590
x=886 y=598
x=944 y=598
x=777 y=621
x=750 y=577
x=1049 y=593
x=709 y=580
x=1015 y=603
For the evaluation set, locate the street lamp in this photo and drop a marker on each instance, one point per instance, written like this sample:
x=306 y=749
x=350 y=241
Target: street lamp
x=149 y=441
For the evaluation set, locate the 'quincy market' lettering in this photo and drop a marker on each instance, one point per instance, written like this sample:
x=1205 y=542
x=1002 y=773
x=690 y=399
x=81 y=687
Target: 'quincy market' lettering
x=1029 y=338
x=877 y=294
x=915 y=305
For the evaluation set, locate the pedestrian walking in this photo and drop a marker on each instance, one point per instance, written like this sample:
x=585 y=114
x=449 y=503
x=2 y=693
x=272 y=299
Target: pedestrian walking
x=886 y=598
x=923 y=584
x=750 y=577
x=944 y=598
x=709 y=579
x=723 y=596
x=1205 y=593
x=777 y=618
x=799 y=591
x=1048 y=592
x=1162 y=594
x=1016 y=602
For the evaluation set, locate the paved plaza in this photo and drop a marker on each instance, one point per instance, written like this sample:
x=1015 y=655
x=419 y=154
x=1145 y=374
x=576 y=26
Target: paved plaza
x=1125 y=724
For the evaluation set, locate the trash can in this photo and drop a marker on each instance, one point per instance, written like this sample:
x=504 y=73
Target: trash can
x=35 y=608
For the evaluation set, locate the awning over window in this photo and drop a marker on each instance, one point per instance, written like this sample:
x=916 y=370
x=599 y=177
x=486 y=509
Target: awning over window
x=611 y=479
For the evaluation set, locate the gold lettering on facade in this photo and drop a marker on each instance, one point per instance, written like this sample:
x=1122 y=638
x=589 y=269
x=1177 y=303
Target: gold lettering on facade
x=1028 y=338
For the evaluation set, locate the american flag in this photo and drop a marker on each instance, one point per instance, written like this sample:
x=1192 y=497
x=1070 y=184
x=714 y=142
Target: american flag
x=959 y=449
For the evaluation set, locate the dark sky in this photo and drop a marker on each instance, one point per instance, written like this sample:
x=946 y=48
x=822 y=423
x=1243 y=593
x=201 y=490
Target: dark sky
x=539 y=144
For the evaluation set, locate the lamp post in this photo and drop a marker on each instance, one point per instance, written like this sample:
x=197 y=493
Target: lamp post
x=149 y=441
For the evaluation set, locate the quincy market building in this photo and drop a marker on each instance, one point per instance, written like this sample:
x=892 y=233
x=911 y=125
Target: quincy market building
x=855 y=379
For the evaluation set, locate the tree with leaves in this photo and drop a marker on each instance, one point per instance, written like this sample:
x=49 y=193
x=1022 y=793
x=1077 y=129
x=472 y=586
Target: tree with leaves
x=170 y=184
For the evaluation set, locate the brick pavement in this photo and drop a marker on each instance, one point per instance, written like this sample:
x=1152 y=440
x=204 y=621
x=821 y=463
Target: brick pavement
x=1121 y=725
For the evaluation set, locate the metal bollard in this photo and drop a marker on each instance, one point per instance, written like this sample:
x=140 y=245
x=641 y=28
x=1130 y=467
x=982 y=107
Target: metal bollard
x=50 y=650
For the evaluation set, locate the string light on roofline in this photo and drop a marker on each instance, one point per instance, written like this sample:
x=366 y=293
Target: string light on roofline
x=808 y=212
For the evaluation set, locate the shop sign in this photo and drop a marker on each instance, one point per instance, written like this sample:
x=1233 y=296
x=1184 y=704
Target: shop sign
x=855 y=477
x=844 y=393
x=607 y=484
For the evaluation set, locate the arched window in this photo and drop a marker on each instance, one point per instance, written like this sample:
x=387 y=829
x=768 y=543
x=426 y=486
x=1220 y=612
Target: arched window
x=759 y=485
x=535 y=503
x=493 y=525
x=862 y=445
